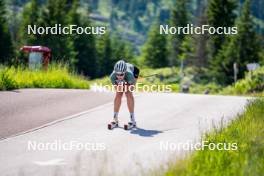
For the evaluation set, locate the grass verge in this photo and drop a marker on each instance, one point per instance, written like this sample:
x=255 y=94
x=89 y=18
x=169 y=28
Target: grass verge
x=247 y=131
x=57 y=76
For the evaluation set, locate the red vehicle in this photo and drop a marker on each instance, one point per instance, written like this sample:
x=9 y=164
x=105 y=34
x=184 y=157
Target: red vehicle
x=38 y=56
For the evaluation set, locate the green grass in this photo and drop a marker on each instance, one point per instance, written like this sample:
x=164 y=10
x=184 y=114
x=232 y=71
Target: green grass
x=247 y=131
x=57 y=76
x=253 y=83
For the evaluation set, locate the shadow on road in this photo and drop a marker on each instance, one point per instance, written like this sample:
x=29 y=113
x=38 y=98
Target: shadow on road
x=144 y=132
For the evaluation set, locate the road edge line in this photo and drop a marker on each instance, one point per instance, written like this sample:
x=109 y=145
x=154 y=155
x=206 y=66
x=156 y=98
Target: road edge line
x=57 y=121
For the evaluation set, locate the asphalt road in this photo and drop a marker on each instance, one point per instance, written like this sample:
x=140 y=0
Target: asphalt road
x=24 y=109
x=83 y=145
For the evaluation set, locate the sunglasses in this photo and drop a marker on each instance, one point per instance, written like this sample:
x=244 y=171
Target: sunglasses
x=121 y=74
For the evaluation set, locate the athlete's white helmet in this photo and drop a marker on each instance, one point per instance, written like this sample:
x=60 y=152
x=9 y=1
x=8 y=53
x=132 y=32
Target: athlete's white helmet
x=120 y=67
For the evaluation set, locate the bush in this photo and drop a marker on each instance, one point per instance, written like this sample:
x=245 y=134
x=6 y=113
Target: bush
x=7 y=81
x=57 y=76
x=253 y=83
x=210 y=88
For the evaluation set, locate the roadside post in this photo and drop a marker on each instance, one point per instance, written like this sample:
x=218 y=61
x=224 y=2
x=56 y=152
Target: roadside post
x=235 y=71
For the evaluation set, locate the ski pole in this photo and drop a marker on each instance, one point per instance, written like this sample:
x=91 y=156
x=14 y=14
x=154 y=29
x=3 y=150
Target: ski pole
x=148 y=75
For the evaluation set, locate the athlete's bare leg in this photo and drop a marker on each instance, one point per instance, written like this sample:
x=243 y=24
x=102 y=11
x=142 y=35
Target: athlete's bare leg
x=117 y=101
x=130 y=102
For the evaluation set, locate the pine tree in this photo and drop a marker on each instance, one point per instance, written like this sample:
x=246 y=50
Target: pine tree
x=200 y=42
x=155 y=52
x=187 y=49
x=179 y=18
x=243 y=48
x=30 y=16
x=55 y=12
x=14 y=23
x=221 y=13
x=105 y=55
x=84 y=44
x=6 y=46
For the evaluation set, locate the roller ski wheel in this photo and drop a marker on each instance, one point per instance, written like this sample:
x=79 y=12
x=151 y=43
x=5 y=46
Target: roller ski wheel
x=112 y=125
x=129 y=125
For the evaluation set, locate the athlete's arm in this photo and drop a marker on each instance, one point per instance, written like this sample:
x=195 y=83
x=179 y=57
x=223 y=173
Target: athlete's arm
x=113 y=78
x=130 y=79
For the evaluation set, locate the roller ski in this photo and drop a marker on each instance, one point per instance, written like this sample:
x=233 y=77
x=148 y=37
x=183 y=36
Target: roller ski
x=113 y=124
x=130 y=125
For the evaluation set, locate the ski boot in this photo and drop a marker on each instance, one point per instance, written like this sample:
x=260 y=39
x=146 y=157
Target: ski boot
x=113 y=124
x=130 y=125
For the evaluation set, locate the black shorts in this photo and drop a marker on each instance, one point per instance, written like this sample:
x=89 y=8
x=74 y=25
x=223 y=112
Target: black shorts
x=136 y=72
